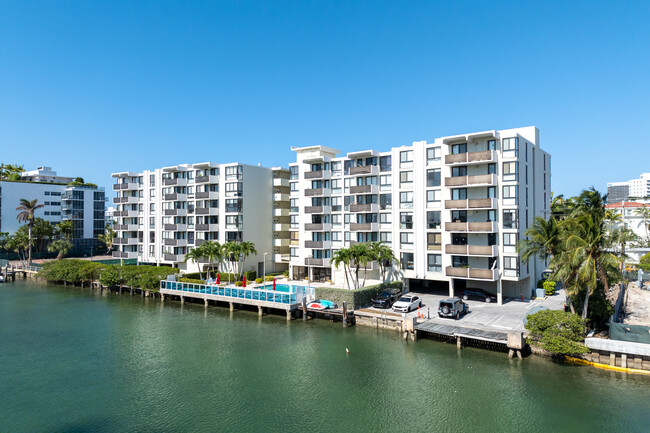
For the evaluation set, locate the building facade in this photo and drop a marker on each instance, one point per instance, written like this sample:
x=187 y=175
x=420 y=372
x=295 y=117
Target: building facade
x=162 y=214
x=633 y=189
x=84 y=205
x=452 y=210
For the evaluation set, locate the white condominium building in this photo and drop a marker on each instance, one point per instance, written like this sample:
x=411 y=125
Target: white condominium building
x=452 y=210
x=633 y=189
x=163 y=213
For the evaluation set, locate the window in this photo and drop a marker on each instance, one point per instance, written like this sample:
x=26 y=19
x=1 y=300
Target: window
x=459 y=261
x=293 y=186
x=294 y=238
x=293 y=205
x=492 y=168
x=293 y=252
x=434 y=241
x=406 y=240
x=511 y=266
x=406 y=220
x=433 y=154
x=385 y=201
x=152 y=193
x=406 y=158
x=433 y=196
x=458 y=148
x=386 y=237
x=492 y=192
x=336 y=220
x=434 y=262
x=406 y=259
x=433 y=219
x=234 y=188
x=336 y=204
x=336 y=186
x=433 y=177
x=510 y=219
x=405 y=200
x=459 y=216
x=385 y=163
x=152 y=222
x=152 y=180
x=492 y=145
x=491 y=215
x=459 y=194
x=385 y=181
x=510 y=171
x=293 y=221
x=385 y=218
x=509 y=242
x=406 y=179
x=336 y=168
x=234 y=172
x=293 y=172
x=510 y=147
x=458 y=171
x=510 y=192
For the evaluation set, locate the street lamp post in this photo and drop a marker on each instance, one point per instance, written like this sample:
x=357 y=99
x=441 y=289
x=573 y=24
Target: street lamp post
x=309 y=270
x=264 y=269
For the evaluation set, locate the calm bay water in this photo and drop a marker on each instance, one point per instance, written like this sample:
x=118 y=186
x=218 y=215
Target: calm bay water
x=73 y=360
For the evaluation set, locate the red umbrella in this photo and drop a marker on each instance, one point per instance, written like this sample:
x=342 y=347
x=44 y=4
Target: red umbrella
x=273 y=283
x=218 y=280
x=244 y=282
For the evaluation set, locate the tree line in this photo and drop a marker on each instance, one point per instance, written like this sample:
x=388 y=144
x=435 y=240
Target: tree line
x=231 y=255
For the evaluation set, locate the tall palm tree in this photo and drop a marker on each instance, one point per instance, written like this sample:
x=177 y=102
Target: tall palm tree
x=62 y=246
x=644 y=212
x=212 y=251
x=384 y=256
x=543 y=239
x=65 y=229
x=246 y=249
x=342 y=257
x=26 y=215
x=231 y=255
x=107 y=238
x=195 y=255
x=361 y=255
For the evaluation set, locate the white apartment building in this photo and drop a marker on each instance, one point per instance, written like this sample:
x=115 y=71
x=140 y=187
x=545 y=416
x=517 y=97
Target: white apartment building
x=633 y=189
x=452 y=210
x=83 y=205
x=633 y=220
x=163 y=213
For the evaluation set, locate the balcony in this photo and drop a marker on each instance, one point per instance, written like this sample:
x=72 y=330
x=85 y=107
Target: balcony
x=456 y=227
x=125 y=186
x=175 y=242
x=318 y=209
x=456 y=249
x=471 y=157
x=472 y=250
x=364 y=189
x=123 y=255
x=175 y=227
x=364 y=227
x=322 y=245
x=125 y=227
x=206 y=211
x=173 y=257
x=484 y=227
x=278 y=181
x=175 y=182
x=281 y=227
x=320 y=174
x=207 y=179
x=372 y=208
x=281 y=196
x=316 y=262
x=317 y=192
x=125 y=213
x=472 y=203
x=125 y=241
x=206 y=227
x=455 y=204
x=175 y=197
x=207 y=195
x=280 y=212
x=280 y=242
x=326 y=227
x=473 y=273
x=371 y=170
x=175 y=212
x=281 y=258
x=127 y=200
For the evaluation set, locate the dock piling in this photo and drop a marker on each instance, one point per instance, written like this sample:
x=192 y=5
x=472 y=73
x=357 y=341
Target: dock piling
x=345 y=315
x=304 y=309
x=232 y=306
x=259 y=310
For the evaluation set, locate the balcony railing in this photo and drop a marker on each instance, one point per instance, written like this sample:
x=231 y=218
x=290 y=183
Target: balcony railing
x=316 y=262
x=370 y=207
x=364 y=169
x=471 y=157
x=314 y=174
x=175 y=212
x=206 y=210
x=472 y=203
x=363 y=227
x=175 y=227
x=123 y=255
x=175 y=242
x=318 y=244
x=314 y=227
x=174 y=257
x=175 y=182
x=207 y=179
x=210 y=195
x=363 y=189
x=316 y=192
x=125 y=186
x=473 y=273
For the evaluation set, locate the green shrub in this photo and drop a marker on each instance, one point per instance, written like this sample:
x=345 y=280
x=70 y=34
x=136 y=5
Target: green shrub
x=286 y=273
x=250 y=275
x=556 y=331
x=540 y=284
x=549 y=287
x=270 y=277
x=354 y=298
x=110 y=277
x=191 y=280
x=238 y=283
x=258 y=280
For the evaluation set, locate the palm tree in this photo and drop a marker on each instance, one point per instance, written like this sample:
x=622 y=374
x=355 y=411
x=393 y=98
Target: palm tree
x=360 y=254
x=212 y=251
x=246 y=249
x=342 y=256
x=195 y=255
x=231 y=252
x=384 y=256
x=107 y=238
x=543 y=239
x=62 y=246
x=26 y=215
x=644 y=212
x=65 y=229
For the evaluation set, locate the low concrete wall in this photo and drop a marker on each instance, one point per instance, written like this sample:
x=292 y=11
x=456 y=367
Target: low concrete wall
x=382 y=321
x=618 y=353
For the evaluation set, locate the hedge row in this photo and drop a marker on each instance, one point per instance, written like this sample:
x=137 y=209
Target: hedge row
x=75 y=271
x=223 y=276
x=358 y=298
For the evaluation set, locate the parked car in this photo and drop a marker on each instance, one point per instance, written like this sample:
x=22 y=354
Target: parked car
x=452 y=307
x=386 y=299
x=478 y=294
x=407 y=303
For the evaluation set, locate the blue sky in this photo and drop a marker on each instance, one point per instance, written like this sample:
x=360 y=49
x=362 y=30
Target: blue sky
x=96 y=87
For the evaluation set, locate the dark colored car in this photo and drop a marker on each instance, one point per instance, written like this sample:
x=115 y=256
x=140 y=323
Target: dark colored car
x=452 y=307
x=478 y=294
x=386 y=299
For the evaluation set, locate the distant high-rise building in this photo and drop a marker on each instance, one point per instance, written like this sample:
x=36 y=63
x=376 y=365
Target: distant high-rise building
x=634 y=189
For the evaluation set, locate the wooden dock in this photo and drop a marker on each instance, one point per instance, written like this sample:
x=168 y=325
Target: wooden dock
x=468 y=336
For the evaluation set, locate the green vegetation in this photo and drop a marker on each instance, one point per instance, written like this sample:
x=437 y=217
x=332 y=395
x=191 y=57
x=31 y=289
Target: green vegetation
x=107 y=238
x=61 y=247
x=191 y=280
x=26 y=215
x=231 y=255
x=356 y=298
x=644 y=263
x=580 y=238
x=558 y=332
x=10 y=171
x=358 y=256
x=75 y=271
x=549 y=287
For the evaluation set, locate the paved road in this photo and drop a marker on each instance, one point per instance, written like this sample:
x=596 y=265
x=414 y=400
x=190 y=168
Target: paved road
x=508 y=316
